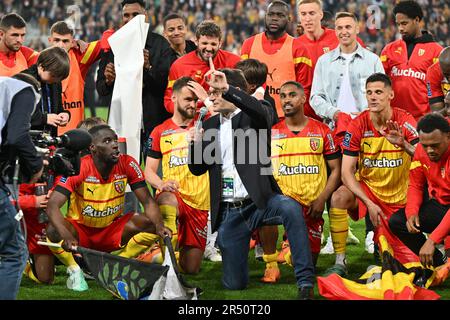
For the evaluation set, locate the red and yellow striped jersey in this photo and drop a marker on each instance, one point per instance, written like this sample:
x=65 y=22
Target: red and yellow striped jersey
x=298 y=159
x=94 y=201
x=382 y=167
x=168 y=143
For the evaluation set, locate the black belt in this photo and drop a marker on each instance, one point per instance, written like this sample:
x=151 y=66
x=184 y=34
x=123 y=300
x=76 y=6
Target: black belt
x=236 y=204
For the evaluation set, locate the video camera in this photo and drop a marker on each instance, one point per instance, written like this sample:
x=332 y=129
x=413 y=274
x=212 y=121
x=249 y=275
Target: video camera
x=63 y=156
x=62 y=153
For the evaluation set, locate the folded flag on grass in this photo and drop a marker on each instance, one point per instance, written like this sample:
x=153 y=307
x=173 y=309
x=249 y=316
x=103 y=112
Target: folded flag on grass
x=131 y=279
x=126 y=279
x=391 y=281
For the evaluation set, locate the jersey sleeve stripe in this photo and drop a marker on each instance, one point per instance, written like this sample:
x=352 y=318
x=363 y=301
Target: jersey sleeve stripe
x=436 y=99
x=138 y=185
x=414 y=165
x=414 y=141
x=35 y=53
x=304 y=60
x=89 y=52
x=154 y=154
x=63 y=190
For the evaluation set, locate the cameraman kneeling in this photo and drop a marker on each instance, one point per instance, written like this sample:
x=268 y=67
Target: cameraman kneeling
x=17 y=103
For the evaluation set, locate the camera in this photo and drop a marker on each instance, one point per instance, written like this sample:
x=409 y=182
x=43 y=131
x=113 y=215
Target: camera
x=62 y=160
x=63 y=156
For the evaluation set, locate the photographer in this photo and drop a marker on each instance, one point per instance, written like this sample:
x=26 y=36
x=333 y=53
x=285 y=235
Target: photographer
x=17 y=102
x=51 y=68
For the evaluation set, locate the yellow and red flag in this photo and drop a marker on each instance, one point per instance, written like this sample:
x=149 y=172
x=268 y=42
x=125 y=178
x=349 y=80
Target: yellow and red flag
x=392 y=281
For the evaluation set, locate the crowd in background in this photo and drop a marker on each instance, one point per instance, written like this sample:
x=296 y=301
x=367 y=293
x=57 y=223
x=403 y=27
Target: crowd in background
x=238 y=19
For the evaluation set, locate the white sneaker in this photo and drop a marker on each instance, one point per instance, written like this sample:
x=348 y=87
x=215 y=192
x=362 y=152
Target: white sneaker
x=369 y=244
x=351 y=238
x=259 y=252
x=76 y=281
x=212 y=254
x=328 y=249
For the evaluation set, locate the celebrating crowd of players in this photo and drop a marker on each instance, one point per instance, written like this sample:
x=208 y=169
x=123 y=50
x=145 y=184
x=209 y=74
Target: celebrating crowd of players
x=349 y=130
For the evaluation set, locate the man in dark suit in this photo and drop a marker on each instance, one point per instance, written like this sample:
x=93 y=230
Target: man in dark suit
x=234 y=147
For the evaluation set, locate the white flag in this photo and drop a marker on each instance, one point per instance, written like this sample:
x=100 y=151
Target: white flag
x=125 y=115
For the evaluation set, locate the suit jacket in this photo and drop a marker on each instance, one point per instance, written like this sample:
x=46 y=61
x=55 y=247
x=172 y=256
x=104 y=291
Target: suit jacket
x=255 y=122
x=154 y=80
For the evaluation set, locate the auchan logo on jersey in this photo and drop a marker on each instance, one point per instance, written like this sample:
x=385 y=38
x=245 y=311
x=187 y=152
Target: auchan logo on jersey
x=407 y=73
x=382 y=163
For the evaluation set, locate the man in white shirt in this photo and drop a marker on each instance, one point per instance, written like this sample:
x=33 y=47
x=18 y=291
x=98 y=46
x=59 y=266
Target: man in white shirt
x=338 y=95
x=340 y=75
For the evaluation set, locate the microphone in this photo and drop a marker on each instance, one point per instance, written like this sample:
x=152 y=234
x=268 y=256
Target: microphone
x=75 y=140
x=203 y=112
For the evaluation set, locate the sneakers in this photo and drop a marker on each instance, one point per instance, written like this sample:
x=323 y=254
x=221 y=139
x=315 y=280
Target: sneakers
x=328 y=249
x=351 y=238
x=76 y=280
x=153 y=255
x=369 y=244
x=284 y=250
x=271 y=275
x=212 y=254
x=259 y=252
x=339 y=269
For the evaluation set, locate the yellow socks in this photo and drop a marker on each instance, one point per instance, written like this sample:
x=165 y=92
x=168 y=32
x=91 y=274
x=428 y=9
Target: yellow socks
x=169 y=214
x=144 y=240
x=65 y=257
x=339 y=229
x=271 y=260
x=138 y=244
x=29 y=273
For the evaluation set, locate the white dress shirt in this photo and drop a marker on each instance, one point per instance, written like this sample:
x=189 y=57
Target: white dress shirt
x=229 y=171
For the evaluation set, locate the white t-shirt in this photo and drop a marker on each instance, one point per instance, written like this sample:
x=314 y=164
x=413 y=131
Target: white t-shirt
x=346 y=101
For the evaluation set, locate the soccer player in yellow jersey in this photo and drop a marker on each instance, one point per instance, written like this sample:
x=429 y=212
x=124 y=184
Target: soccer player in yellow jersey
x=180 y=193
x=377 y=146
x=301 y=150
x=97 y=197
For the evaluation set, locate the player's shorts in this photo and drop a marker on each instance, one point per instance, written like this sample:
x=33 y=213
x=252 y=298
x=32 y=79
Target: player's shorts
x=35 y=233
x=102 y=239
x=315 y=227
x=192 y=225
x=361 y=211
